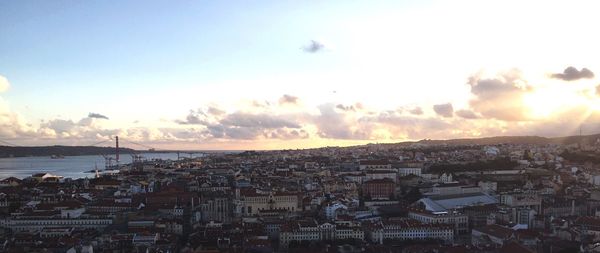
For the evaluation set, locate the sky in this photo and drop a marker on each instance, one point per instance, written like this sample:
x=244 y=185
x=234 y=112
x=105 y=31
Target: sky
x=295 y=74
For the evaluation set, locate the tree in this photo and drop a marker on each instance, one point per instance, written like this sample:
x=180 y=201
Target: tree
x=413 y=195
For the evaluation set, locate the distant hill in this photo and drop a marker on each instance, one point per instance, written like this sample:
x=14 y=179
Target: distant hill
x=6 y=151
x=491 y=140
x=535 y=140
x=515 y=140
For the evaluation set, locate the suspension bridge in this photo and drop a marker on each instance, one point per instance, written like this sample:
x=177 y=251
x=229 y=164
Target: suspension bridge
x=114 y=159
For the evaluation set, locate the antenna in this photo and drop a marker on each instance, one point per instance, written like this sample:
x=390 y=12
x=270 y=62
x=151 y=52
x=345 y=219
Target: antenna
x=117 y=148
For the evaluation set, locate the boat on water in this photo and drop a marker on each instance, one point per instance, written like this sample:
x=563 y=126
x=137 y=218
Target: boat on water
x=57 y=157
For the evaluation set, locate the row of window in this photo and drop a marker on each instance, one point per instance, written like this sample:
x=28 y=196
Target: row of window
x=266 y=199
x=64 y=222
x=413 y=230
x=249 y=209
x=314 y=237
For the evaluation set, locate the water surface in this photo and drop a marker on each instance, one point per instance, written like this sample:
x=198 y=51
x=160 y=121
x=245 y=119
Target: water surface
x=70 y=166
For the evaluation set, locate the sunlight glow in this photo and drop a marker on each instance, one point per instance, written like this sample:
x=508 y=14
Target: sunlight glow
x=548 y=101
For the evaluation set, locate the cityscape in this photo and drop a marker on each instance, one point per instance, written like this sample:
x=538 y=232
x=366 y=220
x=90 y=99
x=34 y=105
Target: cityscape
x=299 y=126
x=426 y=196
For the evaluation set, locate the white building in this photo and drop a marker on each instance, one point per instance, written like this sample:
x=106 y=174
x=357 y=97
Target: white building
x=46 y=177
x=595 y=180
x=381 y=174
x=488 y=186
x=216 y=209
x=37 y=223
x=348 y=232
x=330 y=210
x=309 y=230
x=56 y=232
x=145 y=240
x=445 y=178
x=491 y=151
x=409 y=171
x=409 y=230
x=460 y=222
x=253 y=203
x=451 y=202
x=522 y=199
x=374 y=165
x=299 y=231
x=453 y=188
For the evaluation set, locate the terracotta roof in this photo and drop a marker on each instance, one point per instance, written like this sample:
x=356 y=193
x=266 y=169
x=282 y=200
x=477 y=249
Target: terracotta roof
x=496 y=231
x=374 y=162
x=380 y=181
x=10 y=179
x=588 y=220
x=55 y=206
x=514 y=247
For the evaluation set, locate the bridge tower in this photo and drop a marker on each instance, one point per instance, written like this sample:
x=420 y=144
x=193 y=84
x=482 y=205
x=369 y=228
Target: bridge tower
x=117 y=149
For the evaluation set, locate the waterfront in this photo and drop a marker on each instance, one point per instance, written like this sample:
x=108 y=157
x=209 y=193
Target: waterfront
x=68 y=167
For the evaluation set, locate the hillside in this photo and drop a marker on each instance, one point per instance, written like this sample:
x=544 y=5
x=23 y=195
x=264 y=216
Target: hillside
x=6 y=151
x=535 y=140
x=492 y=140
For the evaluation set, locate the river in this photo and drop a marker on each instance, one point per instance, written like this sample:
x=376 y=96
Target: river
x=68 y=167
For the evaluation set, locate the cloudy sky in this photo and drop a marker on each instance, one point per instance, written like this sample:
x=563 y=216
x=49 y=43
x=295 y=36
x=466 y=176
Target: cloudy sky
x=295 y=74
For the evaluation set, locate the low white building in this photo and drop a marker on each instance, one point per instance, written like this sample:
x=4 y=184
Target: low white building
x=460 y=222
x=452 y=189
x=451 y=202
x=409 y=171
x=310 y=230
x=348 y=232
x=488 y=186
x=595 y=180
x=253 y=203
x=409 y=230
x=39 y=221
x=56 y=232
x=145 y=240
x=445 y=178
x=381 y=174
x=330 y=210
x=374 y=165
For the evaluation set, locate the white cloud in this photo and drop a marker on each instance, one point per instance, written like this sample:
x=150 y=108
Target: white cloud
x=500 y=97
x=496 y=107
x=4 y=84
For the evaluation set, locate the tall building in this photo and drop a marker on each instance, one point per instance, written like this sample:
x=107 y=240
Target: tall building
x=379 y=189
x=253 y=203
